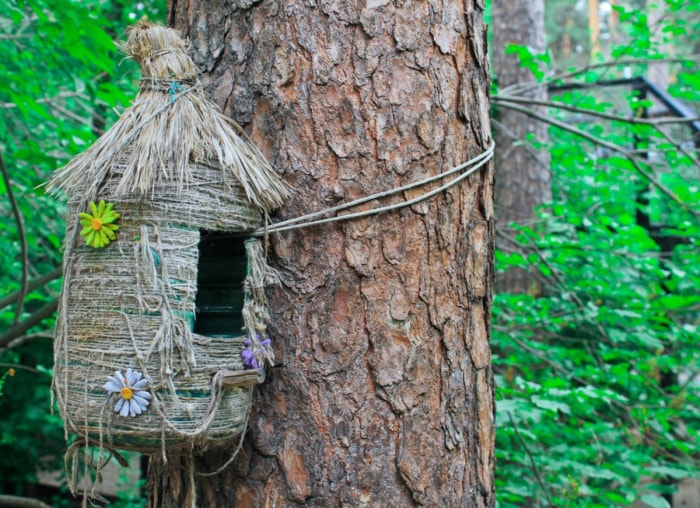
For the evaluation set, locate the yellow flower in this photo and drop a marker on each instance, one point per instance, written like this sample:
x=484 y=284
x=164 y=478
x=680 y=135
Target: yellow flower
x=99 y=228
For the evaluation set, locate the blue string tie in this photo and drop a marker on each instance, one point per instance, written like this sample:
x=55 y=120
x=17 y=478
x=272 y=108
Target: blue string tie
x=174 y=88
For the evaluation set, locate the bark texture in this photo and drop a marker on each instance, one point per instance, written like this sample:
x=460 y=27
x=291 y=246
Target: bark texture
x=383 y=392
x=522 y=174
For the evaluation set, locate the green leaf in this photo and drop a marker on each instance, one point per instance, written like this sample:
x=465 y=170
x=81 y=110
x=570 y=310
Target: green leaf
x=654 y=501
x=675 y=473
x=551 y=405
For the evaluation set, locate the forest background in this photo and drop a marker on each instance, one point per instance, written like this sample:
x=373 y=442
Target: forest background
x=596 y=356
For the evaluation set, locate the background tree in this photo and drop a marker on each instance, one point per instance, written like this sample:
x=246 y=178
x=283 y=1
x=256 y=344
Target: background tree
x=383 y=390
x=522 y=178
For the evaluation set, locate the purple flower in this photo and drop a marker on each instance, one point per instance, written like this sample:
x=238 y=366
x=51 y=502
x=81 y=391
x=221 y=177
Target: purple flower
x=254 y=357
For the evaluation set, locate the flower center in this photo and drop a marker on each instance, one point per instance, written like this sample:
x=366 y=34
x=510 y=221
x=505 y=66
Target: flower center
x=96 y=224
x=127 y=393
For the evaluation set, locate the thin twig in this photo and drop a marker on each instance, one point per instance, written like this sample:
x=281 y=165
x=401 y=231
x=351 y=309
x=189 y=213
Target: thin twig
x=560 y=105
x=22 y=238
x=544 y=357
x=23 y=367
x=679 y=146
x=620 y=59
x=34 y=319
x=71 y=115
x=607 y=144
x=47 y=100
x=633 y=154
x=532 y=460
x=19 y=341
x=560 y=281
x=522 y=87
x=21 y=502
x=4 y=37
x=33 y=284
x=585 y=248
x=501 y=127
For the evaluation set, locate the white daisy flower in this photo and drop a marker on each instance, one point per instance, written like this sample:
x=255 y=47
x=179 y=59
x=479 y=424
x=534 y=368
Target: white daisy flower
x=129 y=391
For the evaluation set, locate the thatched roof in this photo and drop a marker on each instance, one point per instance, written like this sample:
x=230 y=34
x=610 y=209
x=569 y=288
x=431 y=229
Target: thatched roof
x=170 y=127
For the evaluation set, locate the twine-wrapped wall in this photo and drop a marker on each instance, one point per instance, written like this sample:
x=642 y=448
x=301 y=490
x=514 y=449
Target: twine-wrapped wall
x=131 y=303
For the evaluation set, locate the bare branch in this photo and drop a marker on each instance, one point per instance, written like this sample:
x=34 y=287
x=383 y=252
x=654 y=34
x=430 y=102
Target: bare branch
x=523 y=87
x=560 y=105
x=23 y=367
x=24 y=339
x=653 y=122
x=69 y=114
x=607 y=144
x=21 y=502
x=679 y=146
x=22 y=238
x=4 y=37
x=47 y=100
x=33 y=284
x=18 y=329
x=532 y=460
x=532 y=152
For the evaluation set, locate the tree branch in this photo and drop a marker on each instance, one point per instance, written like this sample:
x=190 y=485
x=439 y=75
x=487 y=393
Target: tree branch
x=47 y=100
x=23 y=339
x=21 y=502
x=22 y=238
x=37 y=317
x=69 y=114
x=679 y=146
x=532 y=460
x=656 y=123
x=23 y=367
x=560 y=105
x=531 y=151
x=607 y=144
x=31 y=286
x=522 y=87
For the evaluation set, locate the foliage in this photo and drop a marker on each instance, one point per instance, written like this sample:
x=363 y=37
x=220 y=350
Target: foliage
x=597 y=368
x=63 y=83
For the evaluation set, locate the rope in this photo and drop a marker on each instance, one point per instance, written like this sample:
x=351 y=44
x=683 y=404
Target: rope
x=305 y=220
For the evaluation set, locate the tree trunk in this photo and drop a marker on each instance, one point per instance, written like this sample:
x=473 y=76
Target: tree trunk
x=383 y=392
x=522 y=173
x=594 y=29
x=658 y=72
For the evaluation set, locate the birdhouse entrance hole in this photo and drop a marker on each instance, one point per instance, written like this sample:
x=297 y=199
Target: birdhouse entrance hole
x=220 y=274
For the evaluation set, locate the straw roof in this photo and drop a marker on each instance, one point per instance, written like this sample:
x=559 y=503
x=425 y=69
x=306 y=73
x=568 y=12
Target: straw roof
x=170 y=127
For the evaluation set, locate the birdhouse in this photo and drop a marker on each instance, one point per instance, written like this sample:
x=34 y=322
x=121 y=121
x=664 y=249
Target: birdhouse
x=161 y=327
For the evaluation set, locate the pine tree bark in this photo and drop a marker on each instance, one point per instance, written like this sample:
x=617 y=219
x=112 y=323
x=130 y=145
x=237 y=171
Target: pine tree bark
x=522 y=173
x=383 y=392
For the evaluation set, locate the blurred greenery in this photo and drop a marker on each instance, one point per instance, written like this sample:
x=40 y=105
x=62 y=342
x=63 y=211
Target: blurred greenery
x=63 y=82
x=596 y=367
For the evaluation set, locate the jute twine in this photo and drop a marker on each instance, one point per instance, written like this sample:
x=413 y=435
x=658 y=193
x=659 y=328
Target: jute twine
x=172 y=165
